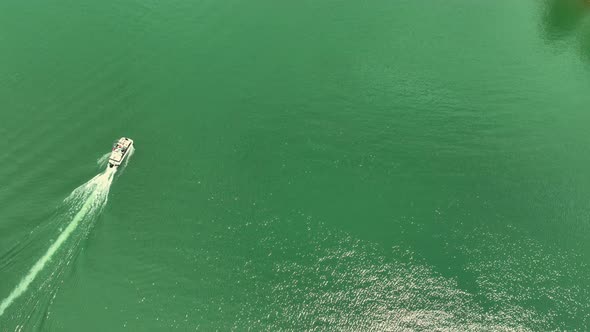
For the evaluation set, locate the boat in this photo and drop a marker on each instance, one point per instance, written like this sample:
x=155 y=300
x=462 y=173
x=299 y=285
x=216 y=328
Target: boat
x=121 y=149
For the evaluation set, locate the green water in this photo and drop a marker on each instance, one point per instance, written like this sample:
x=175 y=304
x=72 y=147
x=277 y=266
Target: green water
x=307 y=165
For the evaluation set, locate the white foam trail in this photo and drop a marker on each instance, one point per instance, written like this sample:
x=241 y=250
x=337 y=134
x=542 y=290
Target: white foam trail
x=131 y=151
x=92 y=196
x=126 y=161
x=103 y=159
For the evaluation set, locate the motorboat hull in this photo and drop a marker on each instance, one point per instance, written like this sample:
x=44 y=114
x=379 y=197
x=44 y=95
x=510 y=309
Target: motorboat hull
x=121 y=150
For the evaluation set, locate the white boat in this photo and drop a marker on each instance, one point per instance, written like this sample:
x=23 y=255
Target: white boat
x=120 y=150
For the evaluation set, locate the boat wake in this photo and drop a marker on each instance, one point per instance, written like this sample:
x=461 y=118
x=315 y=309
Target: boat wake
x=102 y=161
x=80 y=209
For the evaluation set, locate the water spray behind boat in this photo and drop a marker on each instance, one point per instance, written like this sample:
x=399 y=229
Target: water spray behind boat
x=84 y=203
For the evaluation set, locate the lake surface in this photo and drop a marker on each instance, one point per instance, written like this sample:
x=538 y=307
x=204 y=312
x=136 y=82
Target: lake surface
x=308 y=165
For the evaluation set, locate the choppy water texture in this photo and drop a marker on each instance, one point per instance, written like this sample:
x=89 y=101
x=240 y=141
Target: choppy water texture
x=352 y=166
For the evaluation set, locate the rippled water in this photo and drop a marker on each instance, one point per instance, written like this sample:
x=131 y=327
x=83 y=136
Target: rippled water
x=300 y=166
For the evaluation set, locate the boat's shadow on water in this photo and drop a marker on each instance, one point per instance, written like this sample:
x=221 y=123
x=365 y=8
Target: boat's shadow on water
x=566 y=21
